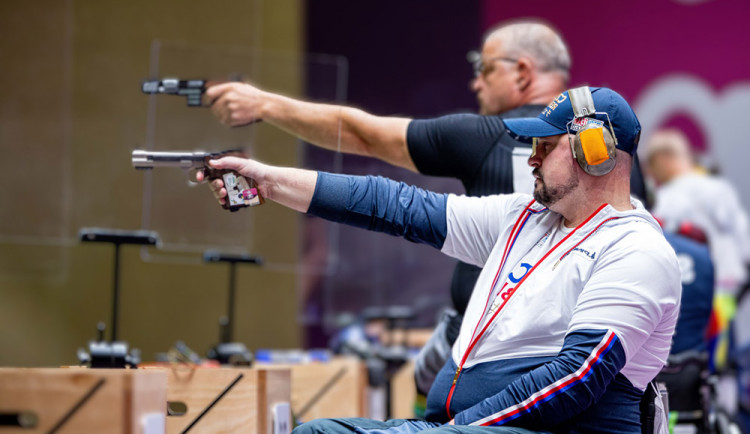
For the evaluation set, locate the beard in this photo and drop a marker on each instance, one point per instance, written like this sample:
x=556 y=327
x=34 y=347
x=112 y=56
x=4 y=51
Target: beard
x=547 y=195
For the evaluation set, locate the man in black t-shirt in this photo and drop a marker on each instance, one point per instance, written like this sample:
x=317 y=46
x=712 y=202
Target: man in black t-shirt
x=523 y=65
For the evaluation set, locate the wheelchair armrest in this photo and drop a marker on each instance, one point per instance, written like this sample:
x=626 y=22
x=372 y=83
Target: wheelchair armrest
x=676 y=362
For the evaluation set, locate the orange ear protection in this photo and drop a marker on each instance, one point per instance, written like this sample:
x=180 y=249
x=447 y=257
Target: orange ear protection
x=594 y=144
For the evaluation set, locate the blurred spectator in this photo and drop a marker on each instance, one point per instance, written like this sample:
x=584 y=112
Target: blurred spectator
x=690 y=201
x=697 y=273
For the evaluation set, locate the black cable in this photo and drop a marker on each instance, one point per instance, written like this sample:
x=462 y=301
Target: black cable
x=213 y=403
x=323 y=390
x=78 y=405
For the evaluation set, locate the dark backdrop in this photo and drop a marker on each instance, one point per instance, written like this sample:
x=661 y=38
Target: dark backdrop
x=404 y=59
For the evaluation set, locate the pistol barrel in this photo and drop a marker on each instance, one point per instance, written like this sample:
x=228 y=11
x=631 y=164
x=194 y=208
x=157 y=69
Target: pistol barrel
x=187 y=160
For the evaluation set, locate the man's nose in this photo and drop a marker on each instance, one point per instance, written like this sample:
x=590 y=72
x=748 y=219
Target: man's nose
x=535 y=160
x=475 y=84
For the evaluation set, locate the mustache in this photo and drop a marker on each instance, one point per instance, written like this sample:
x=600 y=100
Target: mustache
x=537 y=172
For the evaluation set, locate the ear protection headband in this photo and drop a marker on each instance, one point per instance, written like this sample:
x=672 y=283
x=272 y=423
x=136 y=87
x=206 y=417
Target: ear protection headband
x=593 y=145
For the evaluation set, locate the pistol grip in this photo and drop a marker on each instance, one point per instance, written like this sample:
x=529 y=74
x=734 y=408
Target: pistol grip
x=241 y=192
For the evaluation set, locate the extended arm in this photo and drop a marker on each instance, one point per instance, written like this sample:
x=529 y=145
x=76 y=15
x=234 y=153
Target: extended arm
x=371 y=203
x=332 y=127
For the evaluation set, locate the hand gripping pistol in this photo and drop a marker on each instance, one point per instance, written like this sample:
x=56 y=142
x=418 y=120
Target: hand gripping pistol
x=241 y=192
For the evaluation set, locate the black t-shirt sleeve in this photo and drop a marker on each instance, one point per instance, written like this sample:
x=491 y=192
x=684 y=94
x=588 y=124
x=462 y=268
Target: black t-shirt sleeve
x=637 y=183
x=452 y=145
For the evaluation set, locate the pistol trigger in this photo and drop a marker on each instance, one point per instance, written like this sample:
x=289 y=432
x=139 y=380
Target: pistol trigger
x=193 y=176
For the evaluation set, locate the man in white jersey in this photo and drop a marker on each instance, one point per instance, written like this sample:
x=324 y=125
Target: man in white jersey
x=687 y=195
x=576 y=304
x=687 y=198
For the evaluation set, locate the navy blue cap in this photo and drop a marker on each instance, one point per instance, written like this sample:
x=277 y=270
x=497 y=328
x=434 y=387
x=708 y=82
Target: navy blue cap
x=553 y=119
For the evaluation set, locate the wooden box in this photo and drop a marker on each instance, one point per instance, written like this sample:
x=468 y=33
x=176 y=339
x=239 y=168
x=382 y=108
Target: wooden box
x=337 y=388
x=228 y=400
x=403 y=392
x=79 y=400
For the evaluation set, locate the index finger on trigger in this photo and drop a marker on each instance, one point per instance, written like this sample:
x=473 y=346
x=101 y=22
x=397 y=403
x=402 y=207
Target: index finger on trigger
x=224 y=162
x=214 y=91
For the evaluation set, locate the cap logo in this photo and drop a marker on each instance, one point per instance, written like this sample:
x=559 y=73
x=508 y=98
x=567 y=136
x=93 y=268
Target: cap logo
x=553 y=105
x=577 y=124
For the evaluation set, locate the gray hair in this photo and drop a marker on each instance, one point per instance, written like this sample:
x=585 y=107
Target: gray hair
x=669 y=140
x=534 y=39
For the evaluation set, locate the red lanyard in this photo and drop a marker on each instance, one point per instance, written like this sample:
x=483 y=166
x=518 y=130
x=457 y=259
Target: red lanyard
x=514 y=233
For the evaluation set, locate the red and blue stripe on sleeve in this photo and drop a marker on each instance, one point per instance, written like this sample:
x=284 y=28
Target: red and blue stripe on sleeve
x=558 y=390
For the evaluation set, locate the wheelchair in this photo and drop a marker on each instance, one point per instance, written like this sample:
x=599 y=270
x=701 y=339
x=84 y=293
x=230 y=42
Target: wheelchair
x=692 y=396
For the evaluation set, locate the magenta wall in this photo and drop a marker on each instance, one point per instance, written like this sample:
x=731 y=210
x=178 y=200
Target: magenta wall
x=627 y=44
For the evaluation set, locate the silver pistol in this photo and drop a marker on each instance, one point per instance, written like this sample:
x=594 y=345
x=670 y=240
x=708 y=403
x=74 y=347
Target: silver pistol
x=241 y=192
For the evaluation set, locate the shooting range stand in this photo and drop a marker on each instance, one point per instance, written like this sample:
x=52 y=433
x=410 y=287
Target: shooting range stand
x=392 y=355
x=228 y=352
x=113 y=354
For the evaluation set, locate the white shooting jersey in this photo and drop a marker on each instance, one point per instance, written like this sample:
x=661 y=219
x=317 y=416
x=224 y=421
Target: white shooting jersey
x=615 y=272
x=713 y=205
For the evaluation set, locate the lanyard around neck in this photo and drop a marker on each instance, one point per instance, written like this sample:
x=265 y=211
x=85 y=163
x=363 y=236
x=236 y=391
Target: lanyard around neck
x=509 y=244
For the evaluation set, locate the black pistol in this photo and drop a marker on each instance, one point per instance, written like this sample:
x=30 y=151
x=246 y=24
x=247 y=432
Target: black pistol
x=192 y=89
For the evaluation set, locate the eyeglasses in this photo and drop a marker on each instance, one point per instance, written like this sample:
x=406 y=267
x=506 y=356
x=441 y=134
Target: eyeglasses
x=485 y=68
